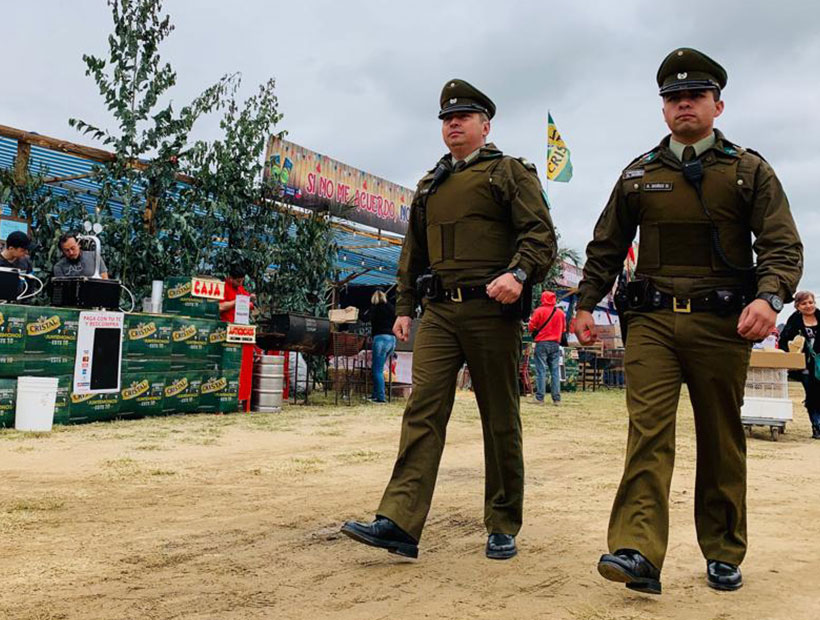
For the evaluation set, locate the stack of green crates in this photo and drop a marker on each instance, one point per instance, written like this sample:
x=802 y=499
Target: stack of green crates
x=171 y=363
x=36 y=342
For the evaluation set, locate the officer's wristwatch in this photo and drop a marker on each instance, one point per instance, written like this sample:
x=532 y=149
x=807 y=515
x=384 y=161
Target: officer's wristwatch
x=773 y=300
x=519 y=274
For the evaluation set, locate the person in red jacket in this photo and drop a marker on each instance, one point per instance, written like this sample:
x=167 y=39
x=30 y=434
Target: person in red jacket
x=547 y=324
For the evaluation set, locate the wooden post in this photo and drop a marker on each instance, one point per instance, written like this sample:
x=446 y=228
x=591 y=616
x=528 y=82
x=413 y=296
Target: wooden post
x=20 y=173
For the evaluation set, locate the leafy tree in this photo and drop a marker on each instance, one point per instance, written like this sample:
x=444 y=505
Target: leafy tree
x=150 y=144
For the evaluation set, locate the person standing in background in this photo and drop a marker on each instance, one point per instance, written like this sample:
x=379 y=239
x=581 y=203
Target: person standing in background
x=234 y=286
x=805 y=321
x=547 y=324
x=382 y=317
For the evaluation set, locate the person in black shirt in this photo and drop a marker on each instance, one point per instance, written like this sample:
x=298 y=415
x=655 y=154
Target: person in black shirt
x=805 y=321
x=15 y=254
x=382 y=317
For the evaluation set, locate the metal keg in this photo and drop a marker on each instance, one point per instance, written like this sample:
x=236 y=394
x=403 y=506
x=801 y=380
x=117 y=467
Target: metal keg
x=268 y=382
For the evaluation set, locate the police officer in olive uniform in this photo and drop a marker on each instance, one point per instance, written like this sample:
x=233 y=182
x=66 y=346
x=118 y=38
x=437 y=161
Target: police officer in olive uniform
x=479 y=231
x=692 y=312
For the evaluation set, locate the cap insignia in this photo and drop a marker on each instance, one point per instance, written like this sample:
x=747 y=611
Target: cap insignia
x=453 y=101
x=682 y=76
x=680 y=52
x=452 y=84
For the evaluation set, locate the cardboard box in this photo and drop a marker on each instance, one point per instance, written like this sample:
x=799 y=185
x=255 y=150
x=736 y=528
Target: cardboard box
x=219 y=392
x=178 y=298
x=344 y=315
x=62 y=406
x=39 y=365
x=93 y=407
x=147 y=335
x=8 y=402
x=191 y=337
x=52 y=330
x=181 y=393
x=143 y=365
x=777 y=359
x=12 y=366
x=12 y=329
x=142 y=393
x=231 y=357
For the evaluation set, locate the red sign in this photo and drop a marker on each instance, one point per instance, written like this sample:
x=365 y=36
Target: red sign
x=241 y=334
x=205 y=287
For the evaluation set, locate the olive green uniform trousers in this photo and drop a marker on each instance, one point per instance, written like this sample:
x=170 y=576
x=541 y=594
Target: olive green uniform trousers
x=703 y=349
x=450 y=333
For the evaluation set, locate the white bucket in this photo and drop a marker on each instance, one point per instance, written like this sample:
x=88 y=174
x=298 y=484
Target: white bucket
x=36 y=397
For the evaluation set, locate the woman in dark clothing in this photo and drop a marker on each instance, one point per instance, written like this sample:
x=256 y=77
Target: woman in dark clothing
x=805 y=321
x=382 y=317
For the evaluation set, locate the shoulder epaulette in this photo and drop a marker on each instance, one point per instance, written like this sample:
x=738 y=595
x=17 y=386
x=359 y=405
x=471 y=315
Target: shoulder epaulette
x=644 y=158
x=527 y=164
x=753 y=152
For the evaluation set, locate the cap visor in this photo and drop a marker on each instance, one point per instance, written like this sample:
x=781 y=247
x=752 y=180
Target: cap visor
x=694 y=85
x=462 y=108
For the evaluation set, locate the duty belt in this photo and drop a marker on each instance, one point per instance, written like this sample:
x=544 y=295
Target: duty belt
x=718 y=301
x=464 y=293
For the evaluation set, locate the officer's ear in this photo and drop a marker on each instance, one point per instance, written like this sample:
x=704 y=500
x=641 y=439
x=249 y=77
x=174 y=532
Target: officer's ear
x=485 y=125
x=718 y=107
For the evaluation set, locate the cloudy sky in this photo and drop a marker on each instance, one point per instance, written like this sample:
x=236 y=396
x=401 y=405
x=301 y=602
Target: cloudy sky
x=359 y=81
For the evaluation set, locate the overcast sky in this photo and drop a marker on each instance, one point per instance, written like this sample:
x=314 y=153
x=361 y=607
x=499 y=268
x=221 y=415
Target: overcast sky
x=359 y=81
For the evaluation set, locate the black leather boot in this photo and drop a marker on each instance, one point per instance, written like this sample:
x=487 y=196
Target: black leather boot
x=501 y=547
x=631 y=568
x=815 y=432
x=723 y=576
x=383 y=533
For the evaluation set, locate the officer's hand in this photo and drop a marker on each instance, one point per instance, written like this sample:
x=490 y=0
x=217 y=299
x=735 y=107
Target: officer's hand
x=757 y=320
x=585 y=327
x=401 y=328
x=505 y=288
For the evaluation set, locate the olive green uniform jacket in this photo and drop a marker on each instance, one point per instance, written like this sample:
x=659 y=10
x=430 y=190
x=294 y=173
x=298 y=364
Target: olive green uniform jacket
x=702 y=349
x=480 y=221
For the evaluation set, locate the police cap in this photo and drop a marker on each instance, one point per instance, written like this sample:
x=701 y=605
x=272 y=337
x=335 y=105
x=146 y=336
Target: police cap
x=689 y=69
x=460 y=96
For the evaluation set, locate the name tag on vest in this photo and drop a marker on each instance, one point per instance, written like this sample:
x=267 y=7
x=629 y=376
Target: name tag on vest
x=657 y=187
x=633 y=174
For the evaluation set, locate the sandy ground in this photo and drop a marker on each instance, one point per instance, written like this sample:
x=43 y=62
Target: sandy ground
x=230 y=517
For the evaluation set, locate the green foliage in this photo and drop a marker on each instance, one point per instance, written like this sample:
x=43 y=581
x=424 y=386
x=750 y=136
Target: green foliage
x=168 y=228
x=48 y=212
x=160 y=234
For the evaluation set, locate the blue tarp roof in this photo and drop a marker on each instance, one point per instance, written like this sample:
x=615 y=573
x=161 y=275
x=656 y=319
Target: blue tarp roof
x=358 y=252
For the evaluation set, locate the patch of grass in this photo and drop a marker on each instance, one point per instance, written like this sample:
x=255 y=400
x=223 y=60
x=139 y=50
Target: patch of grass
x=149 y=447
x=359 y=456
x=40 y=504
x=301 y=465
x=162 y=472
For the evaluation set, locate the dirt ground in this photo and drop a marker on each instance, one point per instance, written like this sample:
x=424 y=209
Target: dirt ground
x=234 y=517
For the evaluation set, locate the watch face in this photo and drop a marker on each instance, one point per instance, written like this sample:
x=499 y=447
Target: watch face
x=520 y=275
x=774 y=301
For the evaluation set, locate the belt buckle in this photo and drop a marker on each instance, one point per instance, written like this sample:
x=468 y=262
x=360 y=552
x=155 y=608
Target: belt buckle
x=682 y=305
x=455 y=296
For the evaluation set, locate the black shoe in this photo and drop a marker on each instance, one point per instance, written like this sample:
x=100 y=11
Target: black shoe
x=723 y=576
x=501 y=547
x=385 y=534
x=815 y=432
x=632 y=568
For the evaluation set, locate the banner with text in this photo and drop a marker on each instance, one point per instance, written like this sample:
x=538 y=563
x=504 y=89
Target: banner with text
x=315 y=181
